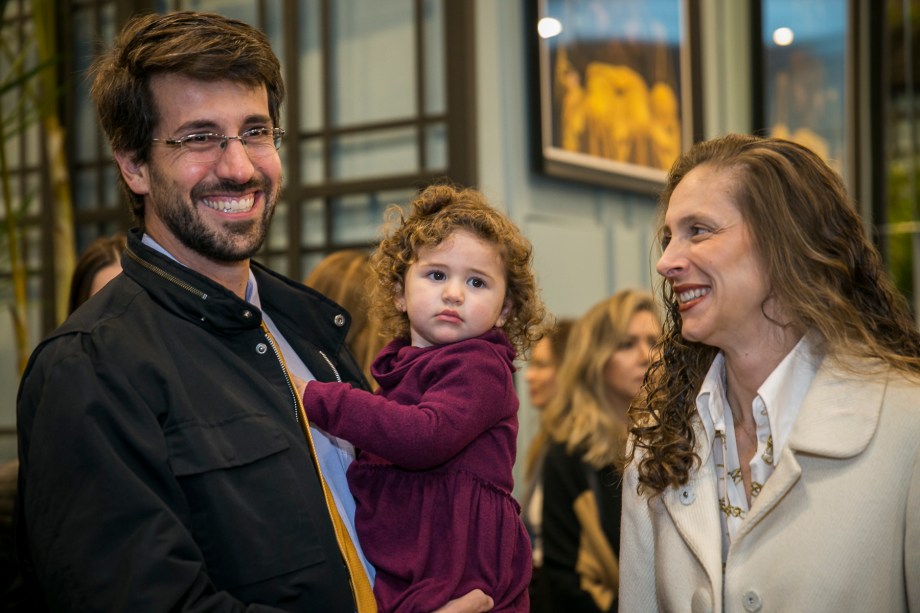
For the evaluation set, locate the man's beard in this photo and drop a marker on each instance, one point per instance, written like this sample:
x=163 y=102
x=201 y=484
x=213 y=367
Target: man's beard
x=231 y=241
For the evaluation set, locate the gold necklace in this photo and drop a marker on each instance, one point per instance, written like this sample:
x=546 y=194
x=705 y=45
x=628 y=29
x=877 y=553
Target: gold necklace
x=751 y=436
x=737 y=423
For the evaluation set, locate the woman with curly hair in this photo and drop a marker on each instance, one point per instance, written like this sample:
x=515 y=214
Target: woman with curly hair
x=776 y=455
x=606 y=358
x=455 y=289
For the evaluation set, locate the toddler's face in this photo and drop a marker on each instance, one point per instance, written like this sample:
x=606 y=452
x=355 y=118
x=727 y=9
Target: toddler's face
x=454 y=291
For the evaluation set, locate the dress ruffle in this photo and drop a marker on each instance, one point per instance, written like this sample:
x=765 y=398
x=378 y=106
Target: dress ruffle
x=496 y=551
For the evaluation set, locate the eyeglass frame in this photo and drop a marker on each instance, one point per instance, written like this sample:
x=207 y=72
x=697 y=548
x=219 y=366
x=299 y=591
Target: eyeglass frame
x=277 y=136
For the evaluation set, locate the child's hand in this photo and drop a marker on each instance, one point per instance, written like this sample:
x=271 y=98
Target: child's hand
x=474 y=602
x=299 y=384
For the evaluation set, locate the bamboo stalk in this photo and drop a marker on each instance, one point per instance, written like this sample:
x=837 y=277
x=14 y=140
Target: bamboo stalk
x=43 y=14
x=17 y=268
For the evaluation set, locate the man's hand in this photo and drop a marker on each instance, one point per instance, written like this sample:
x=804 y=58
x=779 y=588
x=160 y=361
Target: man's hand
x=473 y=602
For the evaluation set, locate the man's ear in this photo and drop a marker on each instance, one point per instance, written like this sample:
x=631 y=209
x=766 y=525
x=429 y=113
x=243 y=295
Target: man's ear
x=503 y=316
x=136 y=174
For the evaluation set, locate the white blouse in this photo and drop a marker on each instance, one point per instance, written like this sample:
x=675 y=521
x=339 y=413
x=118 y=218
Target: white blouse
x=776 y=407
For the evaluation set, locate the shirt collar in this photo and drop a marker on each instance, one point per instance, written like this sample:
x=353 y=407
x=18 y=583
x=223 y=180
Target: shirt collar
x=782 y=393
x=252 y=289
x=710 y=402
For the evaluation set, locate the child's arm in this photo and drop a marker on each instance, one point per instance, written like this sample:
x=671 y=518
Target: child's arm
x=472 y=392
x=475 y=601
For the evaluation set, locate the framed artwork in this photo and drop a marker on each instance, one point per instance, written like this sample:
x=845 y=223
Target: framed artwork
x=618 y=89
x=805 y=75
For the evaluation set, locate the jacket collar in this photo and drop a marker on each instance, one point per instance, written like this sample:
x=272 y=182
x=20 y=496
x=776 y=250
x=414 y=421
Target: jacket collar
x=197 y=298
x=838 y=419
x=841 y=411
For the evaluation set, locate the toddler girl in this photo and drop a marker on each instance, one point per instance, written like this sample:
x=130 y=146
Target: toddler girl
x=454 y=286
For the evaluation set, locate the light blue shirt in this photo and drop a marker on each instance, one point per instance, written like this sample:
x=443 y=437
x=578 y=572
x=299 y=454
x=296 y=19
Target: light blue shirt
x=334 y=454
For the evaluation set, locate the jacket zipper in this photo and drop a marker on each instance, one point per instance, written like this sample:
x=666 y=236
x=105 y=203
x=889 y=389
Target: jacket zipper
x=327 y=492
x=268 y=336
x=271 y=341
x=284 y=369
x=162 y=273
x=334 y=370
x=287 y=375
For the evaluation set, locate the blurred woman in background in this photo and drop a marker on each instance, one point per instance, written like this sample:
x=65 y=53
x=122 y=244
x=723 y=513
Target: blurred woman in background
x=544 y=362
x=342 y=277
x=606 y=358
x=99 y=263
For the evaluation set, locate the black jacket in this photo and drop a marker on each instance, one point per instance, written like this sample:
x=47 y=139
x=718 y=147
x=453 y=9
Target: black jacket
x=581 y=533
x=162 y=466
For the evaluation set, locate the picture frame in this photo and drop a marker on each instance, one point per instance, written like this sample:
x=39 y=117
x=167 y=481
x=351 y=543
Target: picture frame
x=805 y=78
x=618 y=89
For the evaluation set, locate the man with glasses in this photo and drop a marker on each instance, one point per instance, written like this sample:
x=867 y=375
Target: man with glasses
x=166 y=462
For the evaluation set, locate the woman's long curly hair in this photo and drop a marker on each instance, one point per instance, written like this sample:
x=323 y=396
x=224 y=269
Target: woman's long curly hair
x=436 y=213
x=823 y=273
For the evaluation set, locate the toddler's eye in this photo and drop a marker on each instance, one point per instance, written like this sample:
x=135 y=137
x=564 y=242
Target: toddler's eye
x=476 y=282
x=436 y=275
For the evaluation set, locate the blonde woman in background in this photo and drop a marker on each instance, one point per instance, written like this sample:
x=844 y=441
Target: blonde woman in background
x=541 y=375
x=342 y=277
x=607 y=355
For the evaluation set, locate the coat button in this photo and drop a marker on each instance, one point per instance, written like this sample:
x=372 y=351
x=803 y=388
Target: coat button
x=752 y=601
x=339 y=320
x=687 y=495
x=247 y=314
x=261 y=348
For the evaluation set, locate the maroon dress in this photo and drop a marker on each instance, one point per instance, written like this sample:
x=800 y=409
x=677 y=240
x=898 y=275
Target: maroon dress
x=433 y=482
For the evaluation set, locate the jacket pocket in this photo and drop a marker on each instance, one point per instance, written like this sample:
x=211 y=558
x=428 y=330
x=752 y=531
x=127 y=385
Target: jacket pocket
x=247 y=497
x=197 y=448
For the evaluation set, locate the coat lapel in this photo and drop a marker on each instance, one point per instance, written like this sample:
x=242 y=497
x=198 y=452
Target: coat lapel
x=841 y=412
x=785 y=475
x=694 y=509
x=837 y=420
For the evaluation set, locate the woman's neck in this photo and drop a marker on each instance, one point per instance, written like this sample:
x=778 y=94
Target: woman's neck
x=747 y=369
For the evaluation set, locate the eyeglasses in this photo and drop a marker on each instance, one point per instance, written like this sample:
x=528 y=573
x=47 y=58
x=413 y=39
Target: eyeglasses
x=206 y=147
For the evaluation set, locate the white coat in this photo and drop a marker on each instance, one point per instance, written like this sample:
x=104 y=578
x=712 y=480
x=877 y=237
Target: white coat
x=835 y=528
